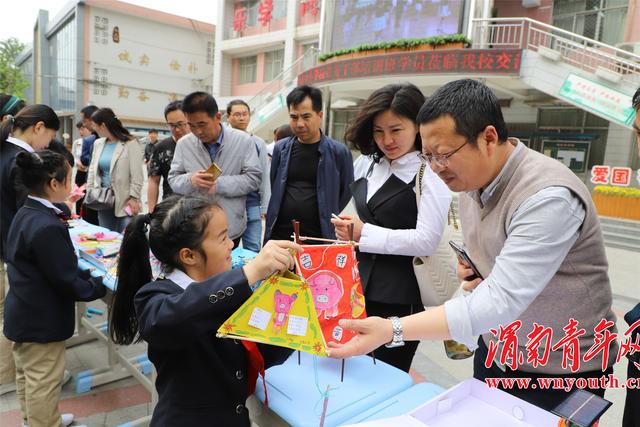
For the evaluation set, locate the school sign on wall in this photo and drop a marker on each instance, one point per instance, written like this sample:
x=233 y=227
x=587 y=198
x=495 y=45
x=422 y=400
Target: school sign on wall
x=462 y=61
x=599 y=99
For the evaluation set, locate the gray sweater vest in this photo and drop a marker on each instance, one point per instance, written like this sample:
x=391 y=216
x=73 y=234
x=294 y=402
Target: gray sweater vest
x=580 y=289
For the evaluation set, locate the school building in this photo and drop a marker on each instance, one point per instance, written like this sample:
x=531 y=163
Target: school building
x=114 y=54
x=564 y=70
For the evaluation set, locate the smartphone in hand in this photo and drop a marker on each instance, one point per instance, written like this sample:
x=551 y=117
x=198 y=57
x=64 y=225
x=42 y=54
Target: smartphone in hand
x=215 y=171
x=462 y=254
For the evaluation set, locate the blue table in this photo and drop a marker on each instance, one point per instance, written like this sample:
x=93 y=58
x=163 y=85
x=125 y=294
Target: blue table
x=399 y=404
x=295 y=396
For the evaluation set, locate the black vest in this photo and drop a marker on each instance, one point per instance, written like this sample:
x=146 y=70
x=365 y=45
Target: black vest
x=388 y=278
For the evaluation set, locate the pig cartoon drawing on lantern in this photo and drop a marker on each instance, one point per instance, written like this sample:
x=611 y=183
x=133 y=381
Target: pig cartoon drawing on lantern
x=326 y=288
x=282 y=305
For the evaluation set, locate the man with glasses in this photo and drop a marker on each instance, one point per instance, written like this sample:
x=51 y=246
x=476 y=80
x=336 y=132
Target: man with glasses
x=233 y=151
x=238 y=116
x=310 y=173
x=532 y=231
x=162 y=154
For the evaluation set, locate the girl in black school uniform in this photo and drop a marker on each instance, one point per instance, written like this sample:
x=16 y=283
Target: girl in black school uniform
x=202 y=380
x=44 y=285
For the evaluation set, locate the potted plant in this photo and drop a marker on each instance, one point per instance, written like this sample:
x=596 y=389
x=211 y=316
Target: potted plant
x=455 y=41
x=619 y=202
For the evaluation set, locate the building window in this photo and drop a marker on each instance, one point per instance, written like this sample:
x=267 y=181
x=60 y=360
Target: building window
x=341 y=119
x=309 y=55
x=252 y=12
x=602 y=20
x=273 y=64
x=101 y=30
x=62 y=84
x=247 y=69
x=100 y=81
x=279 y=9
x=209 y=53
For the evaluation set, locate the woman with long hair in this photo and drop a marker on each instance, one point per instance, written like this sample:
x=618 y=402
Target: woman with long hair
x=390 y=227
x=116 y=162
x=31 y=128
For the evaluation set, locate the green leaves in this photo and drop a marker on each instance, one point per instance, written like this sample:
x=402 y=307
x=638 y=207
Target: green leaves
x=12 y=81
x=400 y=43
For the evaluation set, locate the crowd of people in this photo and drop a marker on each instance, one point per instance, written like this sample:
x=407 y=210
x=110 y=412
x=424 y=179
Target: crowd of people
x=528 y=222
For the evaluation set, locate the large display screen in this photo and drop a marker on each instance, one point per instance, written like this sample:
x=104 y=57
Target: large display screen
x=357 y=22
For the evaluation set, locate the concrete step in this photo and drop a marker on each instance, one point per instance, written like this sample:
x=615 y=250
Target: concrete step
x=629 y=223
x=621 y=233
x=625 y=246
x=621 y=238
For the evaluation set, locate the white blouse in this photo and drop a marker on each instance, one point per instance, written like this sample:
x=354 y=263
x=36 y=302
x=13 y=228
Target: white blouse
x=435 y=198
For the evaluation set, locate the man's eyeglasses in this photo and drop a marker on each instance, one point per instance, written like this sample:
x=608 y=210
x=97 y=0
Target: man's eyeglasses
x=179 y=125
x=442 y=160
x=240 y=115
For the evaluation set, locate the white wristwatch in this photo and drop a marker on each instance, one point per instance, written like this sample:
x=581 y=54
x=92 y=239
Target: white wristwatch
x=398 y=339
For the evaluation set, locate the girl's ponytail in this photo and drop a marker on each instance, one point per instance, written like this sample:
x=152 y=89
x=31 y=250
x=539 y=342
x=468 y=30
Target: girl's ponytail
x=6 y=127
x=177 y=222
x=134 y=271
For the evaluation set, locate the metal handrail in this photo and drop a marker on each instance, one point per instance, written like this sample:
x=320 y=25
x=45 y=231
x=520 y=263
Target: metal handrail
x=577 y=50
x=557 y=30
x=281 y=80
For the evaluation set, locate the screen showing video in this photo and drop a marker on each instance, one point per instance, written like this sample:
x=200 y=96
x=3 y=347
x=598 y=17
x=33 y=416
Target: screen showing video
x=358 y=22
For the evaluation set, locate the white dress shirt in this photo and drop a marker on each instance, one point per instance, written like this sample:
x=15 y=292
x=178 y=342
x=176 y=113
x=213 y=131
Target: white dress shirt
x=435 y=198
x=20 y=143
x=180 y=278
x=45 y=202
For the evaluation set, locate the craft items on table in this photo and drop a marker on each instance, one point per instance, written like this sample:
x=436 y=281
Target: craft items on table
x=240 y=256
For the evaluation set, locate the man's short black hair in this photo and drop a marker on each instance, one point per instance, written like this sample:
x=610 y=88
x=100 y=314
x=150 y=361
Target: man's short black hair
x=471 y=104
x=80 y=125
x=172 y=106
x=299 y=94
x=88 y=111
x=236 y=102
x=197 y=102
x=153 y=131
x=636 y=100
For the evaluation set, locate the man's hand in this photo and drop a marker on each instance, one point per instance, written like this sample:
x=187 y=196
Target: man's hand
x=203 y=180
x=465 y=271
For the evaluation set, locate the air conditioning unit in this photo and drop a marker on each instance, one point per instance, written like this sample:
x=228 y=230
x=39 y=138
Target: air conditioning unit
x=632 y=47
x=531 y=3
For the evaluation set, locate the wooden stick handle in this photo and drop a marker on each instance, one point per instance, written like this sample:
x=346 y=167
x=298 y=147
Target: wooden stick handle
x=320 y=239
x=296 y=231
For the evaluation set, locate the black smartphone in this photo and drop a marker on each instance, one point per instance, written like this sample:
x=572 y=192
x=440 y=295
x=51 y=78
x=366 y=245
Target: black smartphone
x=461 y=252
